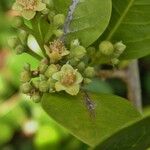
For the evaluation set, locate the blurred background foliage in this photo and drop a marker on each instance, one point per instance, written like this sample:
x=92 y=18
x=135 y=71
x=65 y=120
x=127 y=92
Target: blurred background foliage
x=23 y=124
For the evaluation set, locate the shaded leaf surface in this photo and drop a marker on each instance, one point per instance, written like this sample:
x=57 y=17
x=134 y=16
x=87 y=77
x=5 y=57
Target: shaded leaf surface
x=136 y=136
x=111 y=113
x=90 y=19
x=130 y=23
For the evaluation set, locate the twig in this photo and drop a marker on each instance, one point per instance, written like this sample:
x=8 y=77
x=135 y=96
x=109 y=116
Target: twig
x=131 y=78
x=134 y=85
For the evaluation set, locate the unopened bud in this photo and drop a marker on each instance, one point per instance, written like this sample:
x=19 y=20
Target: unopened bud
x=58 y=33
x=36 y=83
x=26 y=88
x=106 y=48
x=119 y=48
x=51 y=70
x=36 y=97
x=59 y=19
x=89 y=72
x=51 y=15
x=87 y=81
x=43 y=86
x=23 y=36
x=17 y=22
x=114 y=61
x=81 y=66
x=49 y=3
x=12 y=42
x=75 y=43
x=78 y=52
x=27 y=67
x=19 y=49
x=25 y=76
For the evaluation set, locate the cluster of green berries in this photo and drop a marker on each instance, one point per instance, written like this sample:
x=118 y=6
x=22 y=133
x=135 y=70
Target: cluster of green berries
x=112 y=51
x=63 y=70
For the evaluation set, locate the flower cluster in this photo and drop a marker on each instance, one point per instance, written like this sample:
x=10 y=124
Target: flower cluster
x=57 y=73
x=112 y=51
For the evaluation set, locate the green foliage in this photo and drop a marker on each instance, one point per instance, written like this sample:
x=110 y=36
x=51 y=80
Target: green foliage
x=111 y=113
x=130 y=23
x=135 y=136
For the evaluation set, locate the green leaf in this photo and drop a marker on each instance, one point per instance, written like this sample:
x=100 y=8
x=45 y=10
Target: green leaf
x=111 y=113
x=130 y=23
x=90 y=19
x=135 y=136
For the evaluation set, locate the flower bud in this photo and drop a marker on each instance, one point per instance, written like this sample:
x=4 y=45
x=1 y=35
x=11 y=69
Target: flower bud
x=26 y=88
x=25 y=76
x=49 y=3
x=19 y=49
x=78 y=52
x=36 y=97
x=23 y=36
x=42 y=77
x=89 y=72
x=106 y=48
x=51 y=85
x=12 y=42
x=43 y=66
x=114 y=61
x=27 y=67
x=59 y=19
x=43 y=86
x=58 y=33
x=73 y=62
x=36 y=83
x=119 y=48
x=17 y=22
x=81 y=66
x=51 y=15
x=87 y=81
x=51 y=70
x=74 y=43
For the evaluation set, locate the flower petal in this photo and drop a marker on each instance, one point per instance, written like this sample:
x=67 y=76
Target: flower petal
x=79 y=78
x=17 y=7
x=57 y=76
x=41 y=6
x=67 y=67
x=28 y=14
x=59 y=87
x=73 y=90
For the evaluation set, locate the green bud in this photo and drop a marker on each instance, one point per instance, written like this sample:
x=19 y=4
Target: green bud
x=26 y=88
x=73 y=62
x=23 y=36
x=59 y=19
x=51 y=15
x=114 y=61
x=36 y=83
x=74 y=43
x=49 y=3
x=25 y=76
x=42 y=77
x=19 y=49
x=81 y=66
x=51 y=85
x=119 y=48
x=51 y=70
x=58 y=33
x=91 y=51
x=89 y=72
x=106 y=48
x=17 y=22
x=78 y=52
x=87 y=81
x=44 y=86
x=27 y=67
x=36 y=97
x=12 y=42
x=43 y=66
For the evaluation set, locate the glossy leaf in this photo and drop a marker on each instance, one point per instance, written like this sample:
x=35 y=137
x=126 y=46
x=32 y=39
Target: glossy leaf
x=130 y=23
x=90 y=19
x=111 y=113
x=136 y=136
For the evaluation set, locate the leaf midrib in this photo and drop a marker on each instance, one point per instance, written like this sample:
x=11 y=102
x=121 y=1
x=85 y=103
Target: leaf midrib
x=120 y=20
